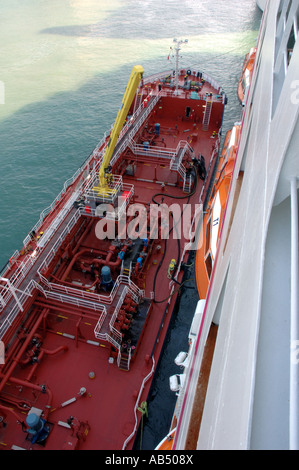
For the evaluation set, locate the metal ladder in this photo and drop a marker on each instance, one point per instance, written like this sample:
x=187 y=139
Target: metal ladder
x=124 y=360
x=207 y=115
x=126 y=271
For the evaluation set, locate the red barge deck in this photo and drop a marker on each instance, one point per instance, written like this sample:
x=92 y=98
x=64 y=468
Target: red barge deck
x=83 y=316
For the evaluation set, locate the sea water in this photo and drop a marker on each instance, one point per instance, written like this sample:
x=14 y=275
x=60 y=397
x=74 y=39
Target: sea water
x=64 y=66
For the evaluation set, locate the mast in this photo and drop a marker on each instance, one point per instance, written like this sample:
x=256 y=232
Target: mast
x=177 y=49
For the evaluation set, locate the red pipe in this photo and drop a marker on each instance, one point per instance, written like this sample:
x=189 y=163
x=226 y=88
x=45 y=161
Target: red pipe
x=36 y=388
x=70 y=284
x=68 y=269
x=55 y=351
x=41 y=355
x=33 y=369
x=16 y=360
x=5 y=408
x=12 y=350
x=20 y=404
x=81 y=253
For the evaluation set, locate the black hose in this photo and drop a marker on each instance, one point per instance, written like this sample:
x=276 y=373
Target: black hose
x=188 y=196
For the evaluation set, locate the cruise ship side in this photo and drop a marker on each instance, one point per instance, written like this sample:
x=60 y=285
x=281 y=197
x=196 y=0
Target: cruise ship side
x=252 y=394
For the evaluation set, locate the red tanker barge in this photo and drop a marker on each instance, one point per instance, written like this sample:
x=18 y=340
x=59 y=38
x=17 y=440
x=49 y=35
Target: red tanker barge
x=86 y=302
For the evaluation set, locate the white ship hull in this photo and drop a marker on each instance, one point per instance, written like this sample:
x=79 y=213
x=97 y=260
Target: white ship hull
x=252 y=398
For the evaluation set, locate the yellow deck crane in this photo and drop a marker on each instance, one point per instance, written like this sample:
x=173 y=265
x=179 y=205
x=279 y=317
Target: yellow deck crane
x=132 y=86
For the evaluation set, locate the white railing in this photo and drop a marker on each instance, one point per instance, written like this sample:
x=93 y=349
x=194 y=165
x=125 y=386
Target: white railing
x=17 y=277
x=151 y=151
x=20 y=274
x=22 y=297
x=67 y=183
x=137 y=403
x=183 y=145
x=106 y=336
x=84 y=184
x=161 y=75
x=138 y=121
x=119 y=357
x=211 y=81
x=60 y=289
x=50 y=231
x=115 y=313
x=59 y=241
x=113 y=336
x=156 y=76
x=135 y=292
x=118 y=211
x=113 y=189
x=74 y=300
x=137 y=124
x=187 y=183
x=80 y=298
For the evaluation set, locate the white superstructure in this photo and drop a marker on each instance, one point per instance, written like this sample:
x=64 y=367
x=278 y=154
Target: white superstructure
x=253 y=391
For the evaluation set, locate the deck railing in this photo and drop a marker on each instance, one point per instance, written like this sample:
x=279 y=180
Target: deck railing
x=138 y=121
x=153 y=151
x=16 y=278
x=137 y=403
x=74 y=300
x=61 y=289
x=74 y=219
x=22 y=298
x=113 y=191
x=205 y=76
x=115 y=313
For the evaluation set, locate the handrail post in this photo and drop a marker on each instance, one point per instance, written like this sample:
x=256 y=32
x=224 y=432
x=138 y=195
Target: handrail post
x=294 y=322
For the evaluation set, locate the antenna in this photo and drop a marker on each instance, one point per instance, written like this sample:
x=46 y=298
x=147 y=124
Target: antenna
x=177 y=49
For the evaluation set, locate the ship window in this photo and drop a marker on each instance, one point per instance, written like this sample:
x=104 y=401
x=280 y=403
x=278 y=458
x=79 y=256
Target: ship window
x=209 y=264
x=208 y=235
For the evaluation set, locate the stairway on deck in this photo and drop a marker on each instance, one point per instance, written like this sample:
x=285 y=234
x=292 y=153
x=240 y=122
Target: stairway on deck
x=207 y=115
x=134 y=126
x=177 y=160
x=32 y=274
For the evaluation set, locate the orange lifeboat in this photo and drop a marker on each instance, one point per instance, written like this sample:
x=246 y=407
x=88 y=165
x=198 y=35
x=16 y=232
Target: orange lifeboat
x=167 y=442
x=246 y=76
x=212 y=221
